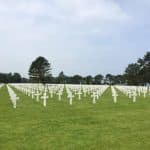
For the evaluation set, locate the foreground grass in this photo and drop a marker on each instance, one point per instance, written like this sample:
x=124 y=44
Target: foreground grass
x=83 y=126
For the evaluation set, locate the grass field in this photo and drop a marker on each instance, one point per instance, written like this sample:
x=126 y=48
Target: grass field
x=82 y=126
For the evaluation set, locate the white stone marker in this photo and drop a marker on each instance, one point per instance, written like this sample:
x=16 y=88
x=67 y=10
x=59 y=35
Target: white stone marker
x=14 y=99
x=32 y=94
x=97 y=95
x=134 y=97
x=79 y=95
x=130 y=94
x=84 y=93
x=145 y=92
x=13 y=96
x=29 y=92
x=114 y=94
x=51 y=93
x=94 y=97
x=44 y=97
x=59 y=95
x=37 y=95
x=70 y=96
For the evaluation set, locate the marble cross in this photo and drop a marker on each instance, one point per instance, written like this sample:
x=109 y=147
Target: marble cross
x=70 y=96
x=79 y=95
x=37 y=95
x=44 y=97
x=94 y=97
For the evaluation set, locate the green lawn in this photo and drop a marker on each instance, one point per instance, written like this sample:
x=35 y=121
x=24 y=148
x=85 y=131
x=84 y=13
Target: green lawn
x=82 y=126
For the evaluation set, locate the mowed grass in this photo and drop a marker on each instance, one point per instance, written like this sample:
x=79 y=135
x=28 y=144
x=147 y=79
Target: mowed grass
x=82 y=126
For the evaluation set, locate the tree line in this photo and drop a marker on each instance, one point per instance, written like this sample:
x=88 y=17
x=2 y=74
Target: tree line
x=137 y=73
x=12 y=78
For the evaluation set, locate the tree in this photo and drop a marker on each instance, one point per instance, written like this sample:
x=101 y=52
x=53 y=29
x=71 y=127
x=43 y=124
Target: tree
x=16 y=78
x=77 y=79
x=10 y=78
x=109 y=79
x=132 y=74
x=144 y=72
x=39 y=70
x=24 y=80
x=98 y=79
x=89 y=79
x=61 y=78
x=119 y=79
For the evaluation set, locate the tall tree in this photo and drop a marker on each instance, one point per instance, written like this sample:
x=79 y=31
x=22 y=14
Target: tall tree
x=61 y=78
x=144 y=64
x=119 y=79
x=77 y=79
x=89 y=79
x=16 y=78
x=39 y=70
x=132 y=74
x=98 y=79
x=11 y=78
x=109 y=79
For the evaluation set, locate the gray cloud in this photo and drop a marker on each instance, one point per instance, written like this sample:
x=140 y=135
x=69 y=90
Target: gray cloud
x=72 y=34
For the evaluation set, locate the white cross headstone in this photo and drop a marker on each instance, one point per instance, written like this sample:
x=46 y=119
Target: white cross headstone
x=59 y=95
x=29 y=92
x=13 y=96
x=51 y=93
x=79 y=95
x=44 y=97
x=37 y=95
x=84 y=91
x=94 y=97
x=70 y=96
x=32 y=94
x=114 y=95
x=144 y=92
x=134 y=97
x=14 y=99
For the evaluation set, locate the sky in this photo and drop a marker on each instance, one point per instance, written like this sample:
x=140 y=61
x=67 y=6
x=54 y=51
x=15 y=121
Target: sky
x=86 y=37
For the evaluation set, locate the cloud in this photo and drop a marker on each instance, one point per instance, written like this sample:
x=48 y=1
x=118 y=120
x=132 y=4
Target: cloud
x=60 y=17
x=75 y=11
x=59 y=29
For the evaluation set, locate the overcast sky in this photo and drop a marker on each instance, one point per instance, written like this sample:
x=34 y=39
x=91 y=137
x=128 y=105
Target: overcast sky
x=76 y=36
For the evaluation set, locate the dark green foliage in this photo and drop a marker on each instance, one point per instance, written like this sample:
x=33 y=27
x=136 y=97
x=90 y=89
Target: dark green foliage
x=139 y=73
x=144 y=64
x=61 y=78
x=77 y=79
x=119 y=79
x=98 y=79
x=16 y=78
x=132 y=74
x=89 y=79
x=40 y=70
x=11 y=78
x=109 y=79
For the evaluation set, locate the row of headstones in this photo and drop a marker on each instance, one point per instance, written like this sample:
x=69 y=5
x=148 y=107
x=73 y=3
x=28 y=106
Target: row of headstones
x=133 y=91
x=114 y=94
x=1 y=85
x=39 y=92
x=31 y=91
x=34 y=92
x=128 y=91
x=98 y=92
x=94 y=91
x=13 y=96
